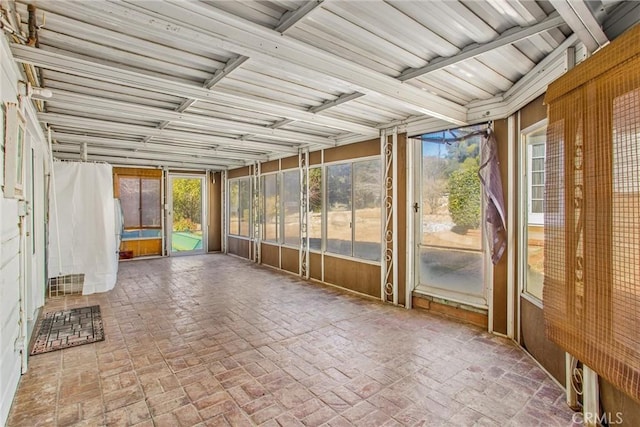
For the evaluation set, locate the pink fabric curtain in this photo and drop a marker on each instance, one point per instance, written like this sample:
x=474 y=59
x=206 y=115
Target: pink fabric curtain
x=489 y=173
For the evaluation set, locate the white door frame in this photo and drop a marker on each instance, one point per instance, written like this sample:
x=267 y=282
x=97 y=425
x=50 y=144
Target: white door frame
x=453 y=297
x=203 y=207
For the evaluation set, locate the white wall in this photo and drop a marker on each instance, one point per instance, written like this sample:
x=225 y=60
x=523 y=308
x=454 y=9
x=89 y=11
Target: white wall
x=38 y=162
x=21 y=256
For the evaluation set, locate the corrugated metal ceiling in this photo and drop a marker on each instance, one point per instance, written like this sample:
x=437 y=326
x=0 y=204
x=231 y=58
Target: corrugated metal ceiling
x=216 y=84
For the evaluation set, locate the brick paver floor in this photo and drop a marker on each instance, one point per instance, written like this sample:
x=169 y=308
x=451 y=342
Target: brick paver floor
x=214 y=340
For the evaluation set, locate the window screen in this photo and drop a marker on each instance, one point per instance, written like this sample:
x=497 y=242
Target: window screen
x=592 y=213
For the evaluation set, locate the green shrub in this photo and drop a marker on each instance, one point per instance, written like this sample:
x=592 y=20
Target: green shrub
x=464 y=197
x=184 y=224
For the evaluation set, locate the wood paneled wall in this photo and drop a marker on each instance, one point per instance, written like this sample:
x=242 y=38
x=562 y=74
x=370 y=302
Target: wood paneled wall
x=214 y=185
x=239 y=247
x=350 y=274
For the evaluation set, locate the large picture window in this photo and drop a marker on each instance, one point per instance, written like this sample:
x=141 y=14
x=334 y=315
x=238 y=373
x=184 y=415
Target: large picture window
x=367 y=210
x=239 y=206
x=535 y=175
x=533 y=164
x=140 y=201
x=354 y=209
x=348 y=194
x=270 y=186
x=281 y=201
x=339 y=218
x=291 y=207
x=314 y=223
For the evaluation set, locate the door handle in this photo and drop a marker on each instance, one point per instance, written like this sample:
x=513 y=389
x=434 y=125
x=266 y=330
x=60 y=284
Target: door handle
x=415 y=207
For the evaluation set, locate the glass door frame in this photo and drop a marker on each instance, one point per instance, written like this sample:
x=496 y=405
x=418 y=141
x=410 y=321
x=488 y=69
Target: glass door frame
x=203 y=209
x=524 y=166
x=440 y=295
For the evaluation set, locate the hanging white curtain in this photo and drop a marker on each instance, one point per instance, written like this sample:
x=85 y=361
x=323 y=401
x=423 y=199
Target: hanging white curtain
x=82 y=225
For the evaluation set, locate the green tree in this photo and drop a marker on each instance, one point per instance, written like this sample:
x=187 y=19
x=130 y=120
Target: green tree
x=339 y=186
x=460 y=151
x=187 y=203
x=366 y=182
x=434 y=178
x=465 y=195
x=315 y=189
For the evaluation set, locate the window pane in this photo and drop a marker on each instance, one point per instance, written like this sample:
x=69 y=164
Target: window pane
x=533 y=256
x=451 y=257
x=151 y=214
x=186 y=230
x=451 y=194
x=271 y=207
x=244 y=206
x=537 y=165
x=291 y=207
x=367 y=213
x=537 y=178
x=234 y=207
x=130 y=201
x=452 y=270
x=538 y=150
x=536 y=206
x=339 y=209
x=314 y=225
x=537 y=192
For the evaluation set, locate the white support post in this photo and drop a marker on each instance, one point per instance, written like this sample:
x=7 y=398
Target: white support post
x=383 y=226
x=389 y=247
x=83 y=152
x=394 y=198
x=572 y=395
x=163 y=212
x=303 y=165
x=512 y=292
x=257 y=214
x=411 y=216
x=224 y=186
x=323 y=231
x=590 y=397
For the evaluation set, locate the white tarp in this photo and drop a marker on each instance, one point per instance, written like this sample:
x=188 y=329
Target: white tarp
x=82 y=225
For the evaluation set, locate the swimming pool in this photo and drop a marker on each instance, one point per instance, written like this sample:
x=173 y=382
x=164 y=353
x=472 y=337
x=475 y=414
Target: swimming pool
x=143 y=233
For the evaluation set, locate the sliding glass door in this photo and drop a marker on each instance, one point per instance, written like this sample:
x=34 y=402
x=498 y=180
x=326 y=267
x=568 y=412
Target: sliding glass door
x=187 y=214
x=451 y=262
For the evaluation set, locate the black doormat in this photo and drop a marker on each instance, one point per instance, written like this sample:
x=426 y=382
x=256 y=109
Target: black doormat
x=68 y=328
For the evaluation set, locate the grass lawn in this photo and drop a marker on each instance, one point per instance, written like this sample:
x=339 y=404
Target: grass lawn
x=185 y=241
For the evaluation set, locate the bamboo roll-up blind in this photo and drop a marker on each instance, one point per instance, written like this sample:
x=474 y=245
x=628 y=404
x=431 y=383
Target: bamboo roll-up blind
x=592 y=213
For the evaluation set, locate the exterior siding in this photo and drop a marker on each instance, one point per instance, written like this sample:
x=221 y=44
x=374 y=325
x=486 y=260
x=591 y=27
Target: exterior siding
x=22 y=263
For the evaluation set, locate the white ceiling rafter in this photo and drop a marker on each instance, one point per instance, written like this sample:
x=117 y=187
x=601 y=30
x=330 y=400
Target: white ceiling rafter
x=281 y=123
x=344 y=98
x=508 y=37
x=218 y=81
x=168 y=148
x=81 y=67
x=88 y=32
x=145 y=155
x=335 y=102
x=290 y=18
x=223 y=72
x=232 y=33
x=128 y=161
x=127 y=129
x=579 y=17
x=287 y=22
x=126 y=109
x=527 y=88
